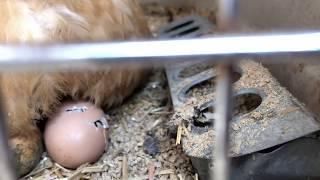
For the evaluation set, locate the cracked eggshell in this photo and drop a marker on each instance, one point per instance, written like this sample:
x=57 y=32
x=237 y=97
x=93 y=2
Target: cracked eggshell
x=76 y=134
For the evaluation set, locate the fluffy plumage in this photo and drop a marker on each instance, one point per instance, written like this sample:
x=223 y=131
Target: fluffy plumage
x=29 y=96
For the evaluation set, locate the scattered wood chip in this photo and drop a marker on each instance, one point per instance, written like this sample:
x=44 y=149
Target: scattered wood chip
x=78 y=173
x=155 y=124
x=151 y=171
x=86 y=177
x=84 y=169
x=65 y=173
x=184 y=131
x=179 y=134
x=124 y=124
x=162 y=113
x=180 y=177
x=61 y=167
x=145 y=115
x=156 y=110
x=160 y=173
x=124 y=168
x=58 y=173
x=173 y=177
x=196 y=177
x=45 y=163
x=95 y=169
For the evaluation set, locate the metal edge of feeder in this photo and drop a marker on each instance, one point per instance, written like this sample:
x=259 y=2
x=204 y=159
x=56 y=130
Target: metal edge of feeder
x=285 y=120
x=281 y=128
x=179 y=86
x=288 y=121
x=186 y=27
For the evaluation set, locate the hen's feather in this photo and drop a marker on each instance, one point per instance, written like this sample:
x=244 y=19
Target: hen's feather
x=59 y=21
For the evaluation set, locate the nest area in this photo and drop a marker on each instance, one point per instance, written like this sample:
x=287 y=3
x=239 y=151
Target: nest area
x=141 y=144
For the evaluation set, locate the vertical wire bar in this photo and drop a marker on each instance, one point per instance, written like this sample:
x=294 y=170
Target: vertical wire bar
x=226 y=14
x=7 y=171
x=221 y=170
x=221 y=161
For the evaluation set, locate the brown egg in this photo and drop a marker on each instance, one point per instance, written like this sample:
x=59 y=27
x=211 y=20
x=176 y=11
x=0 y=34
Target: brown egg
x=76 y=134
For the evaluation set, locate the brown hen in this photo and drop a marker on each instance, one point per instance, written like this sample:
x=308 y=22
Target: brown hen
x=33 y=95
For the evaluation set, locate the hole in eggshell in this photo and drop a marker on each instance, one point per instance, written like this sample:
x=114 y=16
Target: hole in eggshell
x=101 y=123
x=98 y=124
x=77 y=109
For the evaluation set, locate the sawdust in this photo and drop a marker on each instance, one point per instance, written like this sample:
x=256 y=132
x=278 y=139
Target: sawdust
x=206 y=87
x=195 y=69
x=203 y=88
x=250 y=118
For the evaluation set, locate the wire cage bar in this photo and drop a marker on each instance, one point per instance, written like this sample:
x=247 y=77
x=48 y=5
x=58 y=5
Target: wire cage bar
x=219 y=48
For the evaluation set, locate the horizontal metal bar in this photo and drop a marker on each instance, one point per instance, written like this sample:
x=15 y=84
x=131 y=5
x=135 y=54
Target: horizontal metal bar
x=216 y=46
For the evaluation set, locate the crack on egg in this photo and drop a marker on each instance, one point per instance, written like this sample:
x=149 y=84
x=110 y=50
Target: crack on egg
x=77 y=109
x=101 y=123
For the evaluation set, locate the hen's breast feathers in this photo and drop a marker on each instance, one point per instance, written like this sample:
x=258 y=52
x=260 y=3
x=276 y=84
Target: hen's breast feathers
x=41 y=21
x=35 y=95
x=69 y=20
